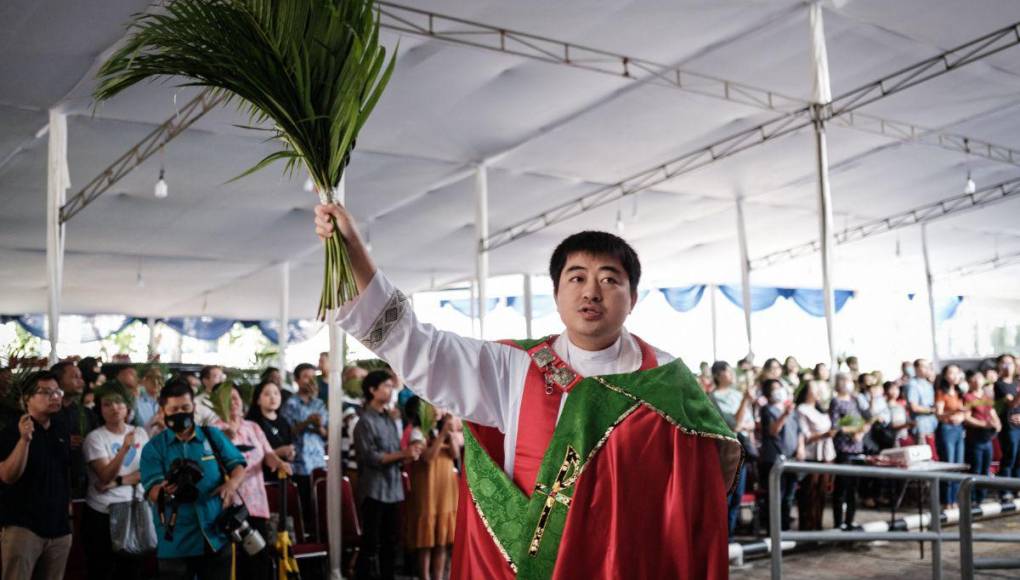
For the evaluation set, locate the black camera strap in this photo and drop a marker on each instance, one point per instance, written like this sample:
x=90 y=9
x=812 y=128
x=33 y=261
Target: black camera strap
x=219 y=461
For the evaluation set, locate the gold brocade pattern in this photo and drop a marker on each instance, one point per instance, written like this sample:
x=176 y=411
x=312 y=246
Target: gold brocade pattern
x=565 y=479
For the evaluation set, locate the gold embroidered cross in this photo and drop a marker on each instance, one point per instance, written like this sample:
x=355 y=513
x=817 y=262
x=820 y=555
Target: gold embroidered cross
x=564 y=479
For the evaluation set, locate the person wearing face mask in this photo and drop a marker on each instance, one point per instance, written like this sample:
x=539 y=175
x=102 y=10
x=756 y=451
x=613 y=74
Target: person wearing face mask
x=781 y=438
x=817 y=430
x=197 y=545
x=846 y=416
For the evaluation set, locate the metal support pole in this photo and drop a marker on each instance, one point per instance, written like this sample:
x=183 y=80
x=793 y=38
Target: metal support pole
x=966 y=530
x=334 y=468
x=745 y=273
x=57 y=182
x=825 y=230
x=775 y=524
x=935 y=525
x=283 y=338
x=715 y=323
x=931 y=296
x=482 y=229
x=529 y=313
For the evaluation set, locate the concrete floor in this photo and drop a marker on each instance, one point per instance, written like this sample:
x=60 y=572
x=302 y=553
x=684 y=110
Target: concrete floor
x=886 y=561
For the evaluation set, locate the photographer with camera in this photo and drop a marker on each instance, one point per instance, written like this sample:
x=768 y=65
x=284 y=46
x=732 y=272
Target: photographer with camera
x=192 y=475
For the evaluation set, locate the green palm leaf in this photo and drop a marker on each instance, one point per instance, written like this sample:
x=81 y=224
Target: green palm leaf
x=314 y=69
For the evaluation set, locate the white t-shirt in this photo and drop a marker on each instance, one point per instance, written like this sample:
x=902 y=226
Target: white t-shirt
x=104 y=444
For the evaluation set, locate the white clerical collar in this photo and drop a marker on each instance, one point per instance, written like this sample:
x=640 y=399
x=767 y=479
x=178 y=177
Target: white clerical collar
x=579 y=356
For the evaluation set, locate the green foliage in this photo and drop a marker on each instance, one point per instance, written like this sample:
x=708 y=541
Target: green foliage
x=312 y=69
x=219 y=400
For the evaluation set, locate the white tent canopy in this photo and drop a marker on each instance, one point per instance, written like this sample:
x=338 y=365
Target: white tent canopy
x=548 y=132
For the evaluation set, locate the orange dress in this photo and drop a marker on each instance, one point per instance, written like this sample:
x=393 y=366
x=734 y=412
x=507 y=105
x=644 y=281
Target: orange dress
x=431 y=506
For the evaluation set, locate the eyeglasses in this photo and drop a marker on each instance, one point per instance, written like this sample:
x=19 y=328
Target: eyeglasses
x=50 y=393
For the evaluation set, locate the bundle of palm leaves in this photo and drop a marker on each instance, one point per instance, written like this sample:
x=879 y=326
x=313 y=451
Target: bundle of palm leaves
x=314 y=69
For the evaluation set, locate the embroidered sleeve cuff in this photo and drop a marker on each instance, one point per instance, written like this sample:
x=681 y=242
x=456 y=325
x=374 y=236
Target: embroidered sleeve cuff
x=371 y=316
x=356 y=317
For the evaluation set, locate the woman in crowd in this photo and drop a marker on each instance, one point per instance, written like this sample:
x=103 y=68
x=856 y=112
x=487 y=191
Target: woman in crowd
x=816 y=428
x=265 y=412
x=113 y=452
x=951 y=414
x=248 y=437
x=781 y=437
x=431 y=508
x=846 y=416
x=982 y=424
x=791 y=373
x=897 y=418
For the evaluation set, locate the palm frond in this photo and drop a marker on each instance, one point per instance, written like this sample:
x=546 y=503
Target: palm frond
x=314 y=69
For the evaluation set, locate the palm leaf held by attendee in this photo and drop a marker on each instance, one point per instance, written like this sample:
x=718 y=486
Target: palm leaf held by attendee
x=313 y=69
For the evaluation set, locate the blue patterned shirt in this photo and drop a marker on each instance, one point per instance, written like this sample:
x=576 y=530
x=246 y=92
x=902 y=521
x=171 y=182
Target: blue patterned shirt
x=308 y=444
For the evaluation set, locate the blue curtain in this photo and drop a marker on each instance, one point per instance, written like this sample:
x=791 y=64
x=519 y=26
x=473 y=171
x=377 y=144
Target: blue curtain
x=297 y=330
x=35 y=324
x=464 y=305
x=761 y=298
x=541 y=306
x=811 y=301
x=200 y=327
x=684 y=299
x=945 y=308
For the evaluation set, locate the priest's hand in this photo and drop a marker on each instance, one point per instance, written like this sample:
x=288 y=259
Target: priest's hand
x=325 y=214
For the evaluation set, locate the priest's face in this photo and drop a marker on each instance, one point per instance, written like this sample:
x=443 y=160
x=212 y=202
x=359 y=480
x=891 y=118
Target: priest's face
x=594 y=299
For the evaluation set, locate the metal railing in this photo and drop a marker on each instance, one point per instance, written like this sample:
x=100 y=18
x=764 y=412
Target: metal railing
x=935 y=535
x=968 y=537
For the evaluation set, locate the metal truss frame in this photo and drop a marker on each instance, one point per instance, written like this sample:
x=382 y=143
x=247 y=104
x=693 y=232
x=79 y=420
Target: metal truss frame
x=983 y=266
x=153 y=142
x=770 y=130
x=919 y=215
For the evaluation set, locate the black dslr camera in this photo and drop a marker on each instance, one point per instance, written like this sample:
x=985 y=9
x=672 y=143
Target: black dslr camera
x=234 y=522
x=185 y=474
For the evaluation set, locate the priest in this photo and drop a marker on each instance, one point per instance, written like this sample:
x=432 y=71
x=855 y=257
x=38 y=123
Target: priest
x=588 y=454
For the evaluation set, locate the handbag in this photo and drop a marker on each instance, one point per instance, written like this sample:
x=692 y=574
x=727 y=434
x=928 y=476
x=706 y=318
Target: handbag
x=131 y=526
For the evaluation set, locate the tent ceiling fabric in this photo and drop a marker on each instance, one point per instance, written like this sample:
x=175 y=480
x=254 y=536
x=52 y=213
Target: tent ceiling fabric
x=557 y=133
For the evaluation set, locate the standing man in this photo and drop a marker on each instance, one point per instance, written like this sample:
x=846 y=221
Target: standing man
x=309 y=421
x=588 y=454
x=196 y=544
x=35 y=495
x=79 y=419
x=921 y=399
x=380 y=491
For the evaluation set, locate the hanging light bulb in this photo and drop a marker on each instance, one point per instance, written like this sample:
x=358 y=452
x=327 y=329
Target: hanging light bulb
x=309 y=185
x=140 y=282
x=368 y=236
x=619 y=222
x=970 y=186
x=161 y=190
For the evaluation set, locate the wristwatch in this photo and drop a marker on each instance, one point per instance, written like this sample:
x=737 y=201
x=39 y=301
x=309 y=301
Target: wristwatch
x=119 y=481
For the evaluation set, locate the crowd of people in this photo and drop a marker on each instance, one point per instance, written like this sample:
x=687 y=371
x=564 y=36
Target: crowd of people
x=784 y=411
x=110 y=436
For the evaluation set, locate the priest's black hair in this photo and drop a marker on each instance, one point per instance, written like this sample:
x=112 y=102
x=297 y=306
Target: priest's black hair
x=602 y=244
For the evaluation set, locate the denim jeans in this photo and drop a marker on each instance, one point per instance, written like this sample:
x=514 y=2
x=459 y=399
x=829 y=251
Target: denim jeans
x=949 y=440
x=1009 y=438
x=735 y=498
x=979 y=457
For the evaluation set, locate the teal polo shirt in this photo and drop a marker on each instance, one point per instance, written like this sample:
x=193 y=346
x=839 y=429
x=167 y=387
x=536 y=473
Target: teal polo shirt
x=196 y=522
